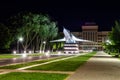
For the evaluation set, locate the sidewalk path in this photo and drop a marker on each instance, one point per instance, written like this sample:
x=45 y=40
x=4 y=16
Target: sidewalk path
x=100 y=67
x=5 y=71
x=21 y=60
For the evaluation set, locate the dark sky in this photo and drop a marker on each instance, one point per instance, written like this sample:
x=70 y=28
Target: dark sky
x=70 y=14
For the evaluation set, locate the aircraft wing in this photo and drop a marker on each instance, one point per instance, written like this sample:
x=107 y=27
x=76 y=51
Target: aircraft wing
x=59 y=40
x=80 y=40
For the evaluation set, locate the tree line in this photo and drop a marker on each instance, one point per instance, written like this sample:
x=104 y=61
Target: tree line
x=112 y=45
x=34 y=28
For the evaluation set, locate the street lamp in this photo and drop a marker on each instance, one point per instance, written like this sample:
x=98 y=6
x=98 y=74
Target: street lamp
x=20 y=39
x=108 y=42
x=44 y=42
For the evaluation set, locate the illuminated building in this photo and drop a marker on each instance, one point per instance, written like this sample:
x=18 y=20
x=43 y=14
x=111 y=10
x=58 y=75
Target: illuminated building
x=90 y=32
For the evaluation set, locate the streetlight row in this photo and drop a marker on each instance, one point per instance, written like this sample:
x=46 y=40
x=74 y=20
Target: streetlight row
x=20 y=39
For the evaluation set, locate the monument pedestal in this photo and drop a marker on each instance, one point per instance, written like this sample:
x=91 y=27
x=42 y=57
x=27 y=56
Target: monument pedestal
x=71 y=48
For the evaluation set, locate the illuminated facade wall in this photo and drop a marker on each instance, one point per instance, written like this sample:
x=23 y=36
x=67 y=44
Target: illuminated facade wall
x=90 y=32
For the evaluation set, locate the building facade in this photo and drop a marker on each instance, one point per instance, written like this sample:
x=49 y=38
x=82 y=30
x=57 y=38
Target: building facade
x=90 y=32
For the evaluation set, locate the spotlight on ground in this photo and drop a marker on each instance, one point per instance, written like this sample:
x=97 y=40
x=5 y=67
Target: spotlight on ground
x=24 y=51
x=59 y=53
x=30 y=52
x=14 y=52
x=24 y=55
x=40 y=51
x=47 y=53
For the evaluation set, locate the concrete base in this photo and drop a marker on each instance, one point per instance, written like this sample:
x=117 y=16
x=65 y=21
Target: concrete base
x=71 y=48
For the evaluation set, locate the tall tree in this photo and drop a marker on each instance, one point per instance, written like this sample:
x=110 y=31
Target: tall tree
x=29 y=29
x=48 y=32
x=115 y=33
x=5 y=37
x=35 y=27
x=114 y=37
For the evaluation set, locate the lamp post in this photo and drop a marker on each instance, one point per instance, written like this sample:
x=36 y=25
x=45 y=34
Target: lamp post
x=20 y=39
x=108 y=43
x=44 y=42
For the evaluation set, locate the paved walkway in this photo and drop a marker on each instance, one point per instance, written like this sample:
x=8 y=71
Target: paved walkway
x=50 y=62
x=99 y=67
x=5 y=71
x=21 y=60
x=13 y=61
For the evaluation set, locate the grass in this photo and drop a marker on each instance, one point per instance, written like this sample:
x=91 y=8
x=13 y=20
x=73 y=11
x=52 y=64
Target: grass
x=116 y=55
x=6 y=56
x=35 y=54
x=65 y=65
x=28 y=63
x=32 y=76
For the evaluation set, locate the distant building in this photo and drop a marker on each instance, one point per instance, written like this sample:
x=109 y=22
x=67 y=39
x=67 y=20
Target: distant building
x=90 y=32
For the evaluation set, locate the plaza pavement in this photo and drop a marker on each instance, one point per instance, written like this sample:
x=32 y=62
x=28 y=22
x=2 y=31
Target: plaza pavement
x=24 y=59
x=5 y=71
x=100 y=67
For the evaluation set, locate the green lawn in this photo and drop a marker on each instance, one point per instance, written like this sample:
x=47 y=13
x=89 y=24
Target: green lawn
x=32 y=76
x=116 y=55
x=6 y=56
x=35 y=54
x=65 y=65
x=29 y=63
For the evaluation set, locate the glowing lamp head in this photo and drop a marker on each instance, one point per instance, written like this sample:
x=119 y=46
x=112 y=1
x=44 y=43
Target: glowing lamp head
x=44 y=42
x=20 y=39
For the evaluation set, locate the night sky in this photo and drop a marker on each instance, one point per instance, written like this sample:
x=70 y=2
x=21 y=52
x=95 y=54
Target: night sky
x=70 y=14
